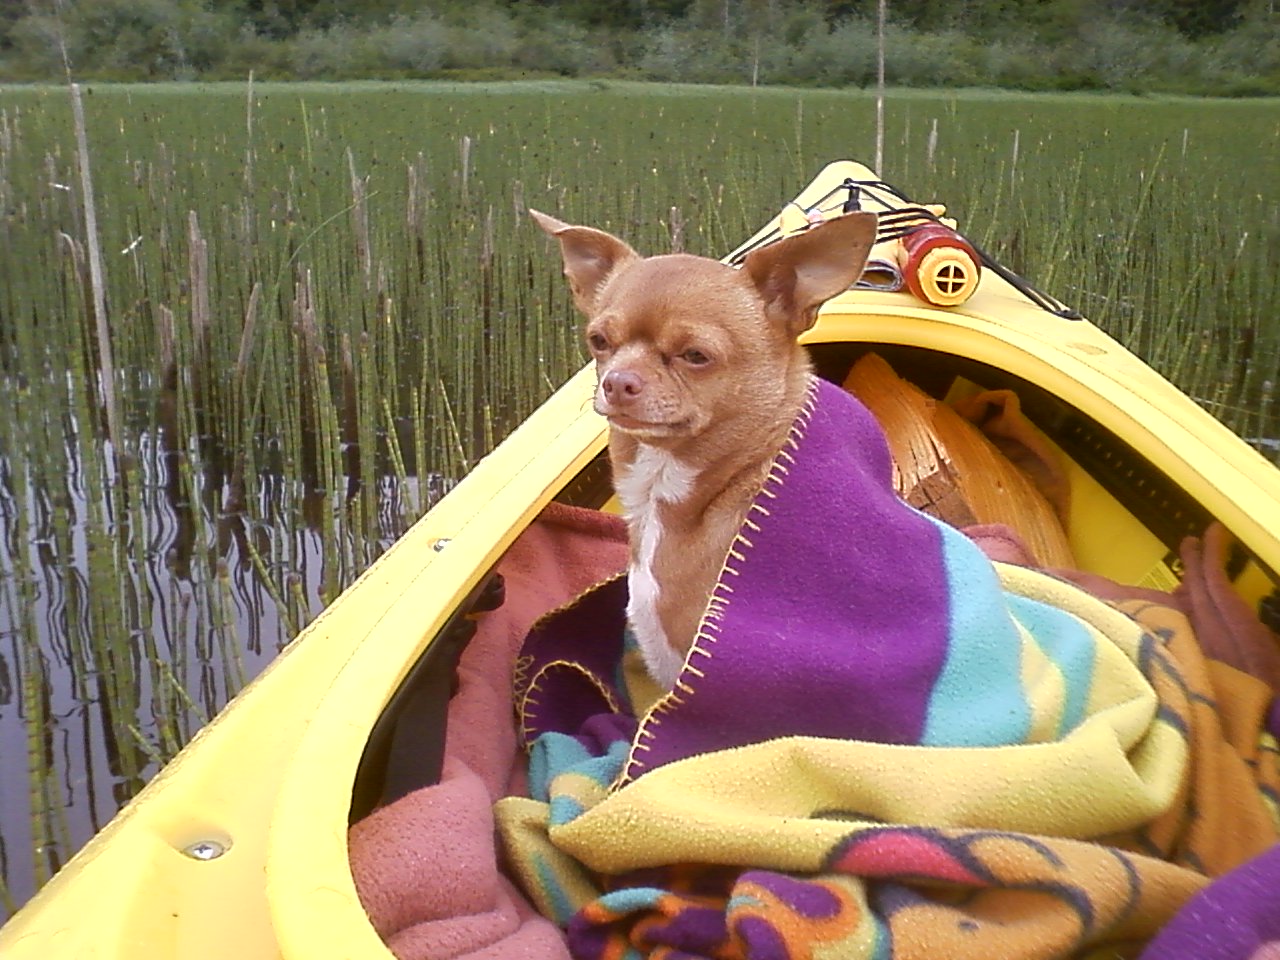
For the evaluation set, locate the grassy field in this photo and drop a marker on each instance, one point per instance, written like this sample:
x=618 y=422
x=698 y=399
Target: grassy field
x=325 y=301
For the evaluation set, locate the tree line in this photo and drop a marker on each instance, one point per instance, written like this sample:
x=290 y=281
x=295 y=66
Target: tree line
x=1222 y=47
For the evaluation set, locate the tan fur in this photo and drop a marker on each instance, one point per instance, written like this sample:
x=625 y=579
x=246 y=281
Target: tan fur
x=650 y=325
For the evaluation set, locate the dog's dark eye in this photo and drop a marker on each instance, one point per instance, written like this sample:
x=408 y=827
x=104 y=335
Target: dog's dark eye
x=597 y=341
x=695 y=358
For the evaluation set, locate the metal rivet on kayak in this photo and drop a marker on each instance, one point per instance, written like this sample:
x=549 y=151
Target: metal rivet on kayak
x=440 y=544
x=205 y=850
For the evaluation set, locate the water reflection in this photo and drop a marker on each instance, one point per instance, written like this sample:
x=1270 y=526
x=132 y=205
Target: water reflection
x=138 y=595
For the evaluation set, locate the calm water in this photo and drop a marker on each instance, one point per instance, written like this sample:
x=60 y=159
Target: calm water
x=205 y=590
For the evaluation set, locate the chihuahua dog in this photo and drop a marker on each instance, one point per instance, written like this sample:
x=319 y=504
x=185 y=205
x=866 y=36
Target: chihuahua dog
x=700 y=377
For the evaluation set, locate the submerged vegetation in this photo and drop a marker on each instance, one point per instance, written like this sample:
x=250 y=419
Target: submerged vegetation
x=316 y=306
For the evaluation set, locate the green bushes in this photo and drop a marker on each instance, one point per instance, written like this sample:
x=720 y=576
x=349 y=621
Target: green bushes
x=121 y=40
x=1064 y=46
x=844 y=55
x=1110 y=54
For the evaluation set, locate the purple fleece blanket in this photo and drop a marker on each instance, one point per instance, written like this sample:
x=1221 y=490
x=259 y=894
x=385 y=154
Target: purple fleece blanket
x=1237 y=916
x=933 y=657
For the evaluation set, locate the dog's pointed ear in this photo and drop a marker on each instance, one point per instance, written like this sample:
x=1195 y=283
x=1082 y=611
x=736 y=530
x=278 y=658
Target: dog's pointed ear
x=798 y=274
x=590 y=255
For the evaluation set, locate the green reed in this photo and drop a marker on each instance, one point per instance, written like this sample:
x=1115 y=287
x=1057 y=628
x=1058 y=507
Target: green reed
x=326 y=302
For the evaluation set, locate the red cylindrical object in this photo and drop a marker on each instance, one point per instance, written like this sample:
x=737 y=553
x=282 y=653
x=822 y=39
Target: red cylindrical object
x=939 y=266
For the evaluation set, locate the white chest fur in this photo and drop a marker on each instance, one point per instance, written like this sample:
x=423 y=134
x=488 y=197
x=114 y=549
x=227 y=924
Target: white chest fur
x=654 y=477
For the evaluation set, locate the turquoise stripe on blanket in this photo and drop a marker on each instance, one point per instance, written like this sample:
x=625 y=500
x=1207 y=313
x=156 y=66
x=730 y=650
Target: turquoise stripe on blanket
x=551 y=755
x=977 y=700
x=558 y=900
x=1069 y=645
x=554 y=754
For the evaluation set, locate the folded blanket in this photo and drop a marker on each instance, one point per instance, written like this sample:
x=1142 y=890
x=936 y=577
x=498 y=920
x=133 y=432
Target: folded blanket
x=1230 y=634
x=881 y=850
x=984 y=761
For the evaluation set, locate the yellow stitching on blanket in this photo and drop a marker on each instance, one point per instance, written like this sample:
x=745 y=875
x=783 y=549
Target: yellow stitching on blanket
x=520 y=676
x=528 y=705
x=708 y=626
x=700 y=651
x=576 y=599
x=809 y=405
x=652 y=720
x=520 y=673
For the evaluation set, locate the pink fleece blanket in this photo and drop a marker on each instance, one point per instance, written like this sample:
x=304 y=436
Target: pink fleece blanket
x=427 y=866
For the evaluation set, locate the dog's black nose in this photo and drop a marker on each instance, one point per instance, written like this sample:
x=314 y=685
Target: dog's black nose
x=622 y=385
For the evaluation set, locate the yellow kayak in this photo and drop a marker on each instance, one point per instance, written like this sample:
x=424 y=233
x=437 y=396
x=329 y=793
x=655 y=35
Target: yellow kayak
x=238 y=848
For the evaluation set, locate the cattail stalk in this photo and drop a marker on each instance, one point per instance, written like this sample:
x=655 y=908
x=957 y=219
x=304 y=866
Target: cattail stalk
x=97 y=272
